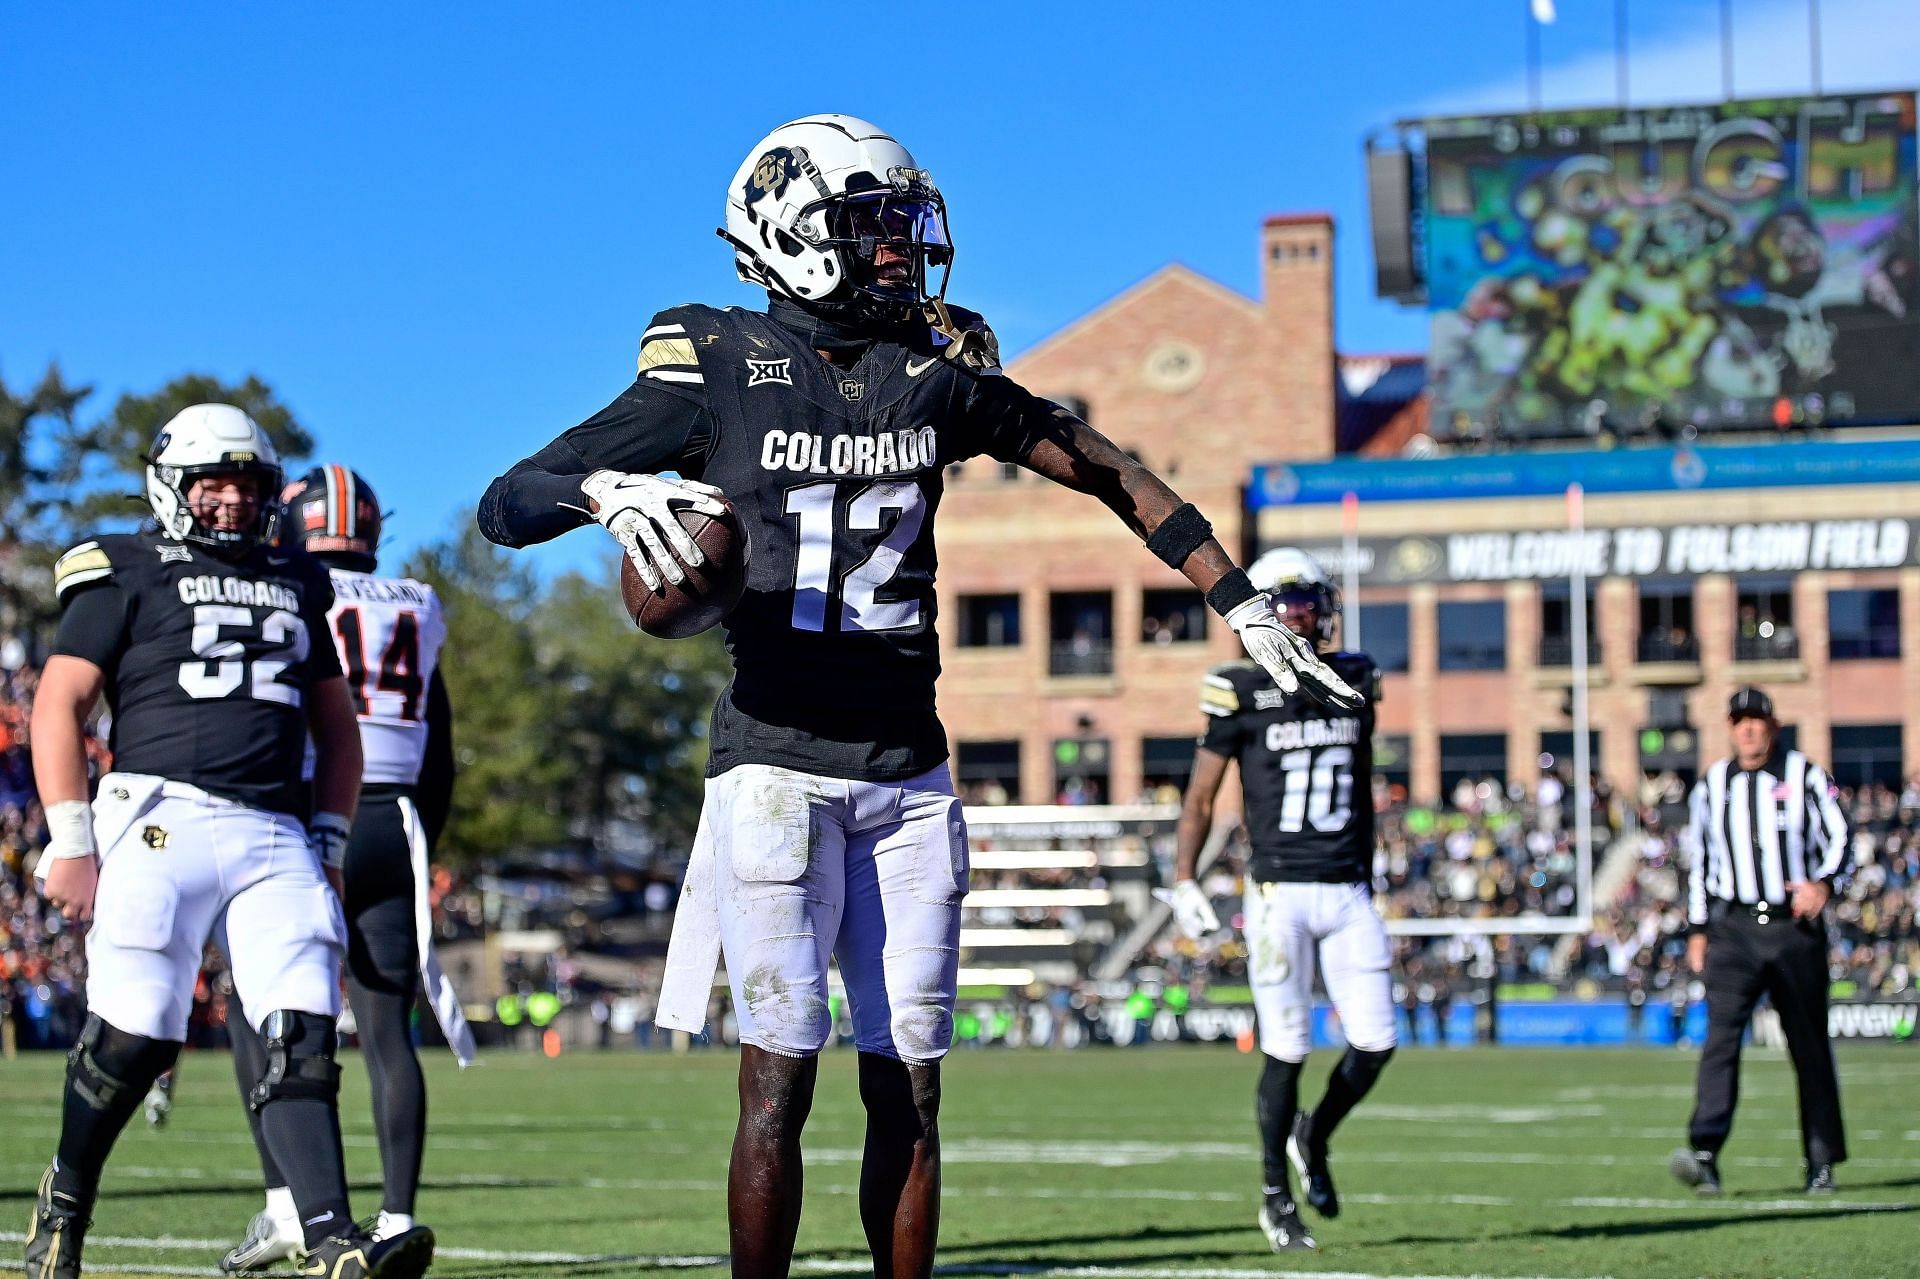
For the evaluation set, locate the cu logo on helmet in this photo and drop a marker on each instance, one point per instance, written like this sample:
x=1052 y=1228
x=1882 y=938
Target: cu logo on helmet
x=771 y=175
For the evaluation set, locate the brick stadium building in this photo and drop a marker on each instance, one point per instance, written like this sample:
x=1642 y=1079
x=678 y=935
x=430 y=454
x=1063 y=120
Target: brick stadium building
x=1072 y=656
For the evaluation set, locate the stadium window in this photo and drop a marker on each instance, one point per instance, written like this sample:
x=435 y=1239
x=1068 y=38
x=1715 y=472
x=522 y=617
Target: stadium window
x=987 y=772
x=1556 y=625
x=1173 y=617
x=1865 y=754
x=1165 y=765
x=989 y=621
x=1076 y=405
x=1863 y=624
x=1763 y=620
x=1557 y=746
x=1666 y=622
x=1471 y=757
x=1473 y=635
x=1081 y=770
x=1081 y=629
x=1383 y=636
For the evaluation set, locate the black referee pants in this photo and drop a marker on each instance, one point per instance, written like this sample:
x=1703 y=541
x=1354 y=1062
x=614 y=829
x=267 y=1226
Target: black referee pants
x=1785 y=959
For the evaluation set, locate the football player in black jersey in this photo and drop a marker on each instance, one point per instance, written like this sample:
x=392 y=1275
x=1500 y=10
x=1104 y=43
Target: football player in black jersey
x=210 y=647
x=1307 y=773
x=830 y=827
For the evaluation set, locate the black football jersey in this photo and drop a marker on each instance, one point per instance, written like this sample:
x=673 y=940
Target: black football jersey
x=837 y=475
x=208 y=663
x=1307 y=770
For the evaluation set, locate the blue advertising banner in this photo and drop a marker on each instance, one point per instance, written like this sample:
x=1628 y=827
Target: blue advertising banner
x=1540 y=474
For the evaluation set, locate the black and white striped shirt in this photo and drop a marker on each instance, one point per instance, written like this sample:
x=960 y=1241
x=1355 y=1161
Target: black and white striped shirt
x=1754 y=832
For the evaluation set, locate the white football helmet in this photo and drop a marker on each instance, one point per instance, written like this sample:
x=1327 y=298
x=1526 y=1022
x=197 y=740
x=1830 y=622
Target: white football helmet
x=210 y=439
x=814 y=202
x=1298 y=584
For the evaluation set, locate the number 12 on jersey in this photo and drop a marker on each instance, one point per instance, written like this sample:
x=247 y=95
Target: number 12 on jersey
x=813 y=567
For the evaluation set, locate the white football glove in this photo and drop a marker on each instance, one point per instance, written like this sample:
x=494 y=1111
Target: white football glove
x=638 y=509
x=1289 y=658
x=1192 y=911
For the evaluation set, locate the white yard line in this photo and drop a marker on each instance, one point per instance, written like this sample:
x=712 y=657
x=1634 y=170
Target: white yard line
x=1038 y=1270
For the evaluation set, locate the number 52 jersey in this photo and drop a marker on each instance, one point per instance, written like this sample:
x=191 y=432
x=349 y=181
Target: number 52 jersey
x=208 y=662
x=1306 y=770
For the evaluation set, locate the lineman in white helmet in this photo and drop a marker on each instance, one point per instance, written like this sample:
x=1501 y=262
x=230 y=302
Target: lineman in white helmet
x=211 y=647
x=830 y=829
x=1307 y=772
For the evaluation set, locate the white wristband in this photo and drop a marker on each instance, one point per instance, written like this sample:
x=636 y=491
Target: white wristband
x=70 y=829
x=328 y=833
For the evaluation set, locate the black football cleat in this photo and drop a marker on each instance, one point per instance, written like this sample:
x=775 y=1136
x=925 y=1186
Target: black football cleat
x=1311 y=1163
x=54 y=1236
x=1697 y=1168
x=1280 y=1223
x=1820 y=1179
x=358 y=1255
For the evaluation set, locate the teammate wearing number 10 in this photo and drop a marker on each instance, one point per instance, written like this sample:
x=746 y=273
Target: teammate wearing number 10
x=830 y=827
x=1307 y=773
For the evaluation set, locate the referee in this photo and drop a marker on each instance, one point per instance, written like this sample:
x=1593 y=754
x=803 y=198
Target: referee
x=1766 y=840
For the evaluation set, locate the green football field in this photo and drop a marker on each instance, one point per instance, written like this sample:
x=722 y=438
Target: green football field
x=1131 y=1164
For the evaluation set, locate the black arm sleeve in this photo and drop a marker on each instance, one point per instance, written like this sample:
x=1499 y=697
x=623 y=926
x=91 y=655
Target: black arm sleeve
x=1005 y=420
x=94 y=624
x=434 y=791
x=1223 y=735
x=648 y=428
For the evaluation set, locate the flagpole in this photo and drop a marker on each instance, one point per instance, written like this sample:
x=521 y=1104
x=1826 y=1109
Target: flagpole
x=1582 y=751
x=1350 y=577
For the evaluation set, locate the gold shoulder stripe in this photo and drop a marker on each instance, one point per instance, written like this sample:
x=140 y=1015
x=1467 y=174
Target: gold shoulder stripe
x=84 y=563
x=666 y=351
x=1217 y=696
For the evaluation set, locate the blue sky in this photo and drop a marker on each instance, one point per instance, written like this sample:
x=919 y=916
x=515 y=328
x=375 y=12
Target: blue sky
x=439 y=231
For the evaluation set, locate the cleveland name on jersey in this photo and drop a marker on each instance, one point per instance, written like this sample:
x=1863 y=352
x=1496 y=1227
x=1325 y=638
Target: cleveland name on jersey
x=208 y=662
x=836 y=474
x=1306 y=770
x=389 y=632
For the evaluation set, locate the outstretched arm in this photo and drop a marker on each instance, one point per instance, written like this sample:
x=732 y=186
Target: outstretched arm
x=1069 y=452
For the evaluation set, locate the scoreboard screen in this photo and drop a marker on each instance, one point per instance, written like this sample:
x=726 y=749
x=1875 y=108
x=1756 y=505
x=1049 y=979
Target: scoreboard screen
x=1734 y=266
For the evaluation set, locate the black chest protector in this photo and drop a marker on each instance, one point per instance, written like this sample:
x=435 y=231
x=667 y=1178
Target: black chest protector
x=836 y=474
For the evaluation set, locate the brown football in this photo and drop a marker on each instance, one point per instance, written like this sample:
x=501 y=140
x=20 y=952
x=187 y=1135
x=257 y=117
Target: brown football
x=708 y=593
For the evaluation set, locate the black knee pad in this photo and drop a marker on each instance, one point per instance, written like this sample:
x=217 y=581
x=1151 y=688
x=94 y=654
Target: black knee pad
x=107 y=1063
x=1363 y=1066
x=300 y=1064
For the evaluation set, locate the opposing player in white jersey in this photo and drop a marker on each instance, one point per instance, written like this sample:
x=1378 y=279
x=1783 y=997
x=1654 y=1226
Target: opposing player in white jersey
x=202 y=637
x=389 y=632
x=1307 y=774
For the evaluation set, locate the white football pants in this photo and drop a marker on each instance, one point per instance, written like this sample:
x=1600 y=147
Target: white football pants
x=1287 y=925
x=808 y=868
x=179 y=866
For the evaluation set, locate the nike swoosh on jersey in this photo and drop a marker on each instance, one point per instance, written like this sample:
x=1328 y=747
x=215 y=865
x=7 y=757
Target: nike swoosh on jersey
x=915 y=370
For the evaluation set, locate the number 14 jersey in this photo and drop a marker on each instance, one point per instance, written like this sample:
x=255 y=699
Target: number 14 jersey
x=389 y=632
x=1306 y=770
